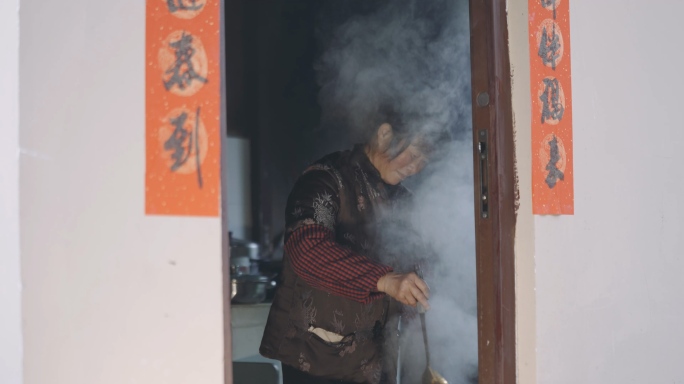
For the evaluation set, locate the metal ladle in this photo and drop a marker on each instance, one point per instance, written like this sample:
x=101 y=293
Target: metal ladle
x=430 y=376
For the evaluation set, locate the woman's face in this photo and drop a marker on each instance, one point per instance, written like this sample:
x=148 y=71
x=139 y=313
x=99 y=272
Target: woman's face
x=395 y=169
x=409 y=162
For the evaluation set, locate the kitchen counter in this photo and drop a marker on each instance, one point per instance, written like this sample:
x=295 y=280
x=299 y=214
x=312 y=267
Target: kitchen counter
x=247 y=323
x=257 y=370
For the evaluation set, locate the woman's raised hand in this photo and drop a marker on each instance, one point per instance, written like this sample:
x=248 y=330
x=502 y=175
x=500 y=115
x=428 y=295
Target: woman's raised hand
x=407 y=288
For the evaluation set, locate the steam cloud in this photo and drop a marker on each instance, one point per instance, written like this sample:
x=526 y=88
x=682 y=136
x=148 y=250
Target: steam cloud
x=415 y=54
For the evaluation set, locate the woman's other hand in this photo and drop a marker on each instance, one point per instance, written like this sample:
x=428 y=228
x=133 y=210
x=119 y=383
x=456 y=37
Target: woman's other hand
x=407 y=288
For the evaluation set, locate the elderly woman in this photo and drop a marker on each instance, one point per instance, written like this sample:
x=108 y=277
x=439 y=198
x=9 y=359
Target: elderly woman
x=327 y=318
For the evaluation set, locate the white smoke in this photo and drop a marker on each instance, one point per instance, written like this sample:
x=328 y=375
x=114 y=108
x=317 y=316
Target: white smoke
x=415 y=55
x=412 y=54
x=443 y=217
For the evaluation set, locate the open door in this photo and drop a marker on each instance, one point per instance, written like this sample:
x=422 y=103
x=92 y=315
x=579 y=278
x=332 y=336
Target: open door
x=495 y=190
x=493 y=165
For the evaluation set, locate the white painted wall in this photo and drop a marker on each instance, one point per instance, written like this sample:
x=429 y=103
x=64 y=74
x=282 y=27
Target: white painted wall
x=609 y=291
x=10 y=281
x=526 y=338
x=110 y=295
x=237 y=169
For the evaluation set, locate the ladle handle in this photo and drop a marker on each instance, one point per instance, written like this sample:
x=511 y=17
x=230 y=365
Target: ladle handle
x=421 y=311
x=425 y=338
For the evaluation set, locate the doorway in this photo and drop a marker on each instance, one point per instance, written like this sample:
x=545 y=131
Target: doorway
x=275 y=65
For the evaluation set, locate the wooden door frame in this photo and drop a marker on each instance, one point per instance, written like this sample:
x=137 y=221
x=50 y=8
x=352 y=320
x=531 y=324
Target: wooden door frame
x=495 y=229
x=493 y=118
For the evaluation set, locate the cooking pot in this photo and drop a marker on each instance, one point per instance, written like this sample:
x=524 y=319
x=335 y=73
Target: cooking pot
x=249 y=289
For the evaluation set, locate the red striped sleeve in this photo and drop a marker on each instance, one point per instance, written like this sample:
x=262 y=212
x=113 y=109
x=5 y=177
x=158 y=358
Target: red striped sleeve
x=324 y=264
